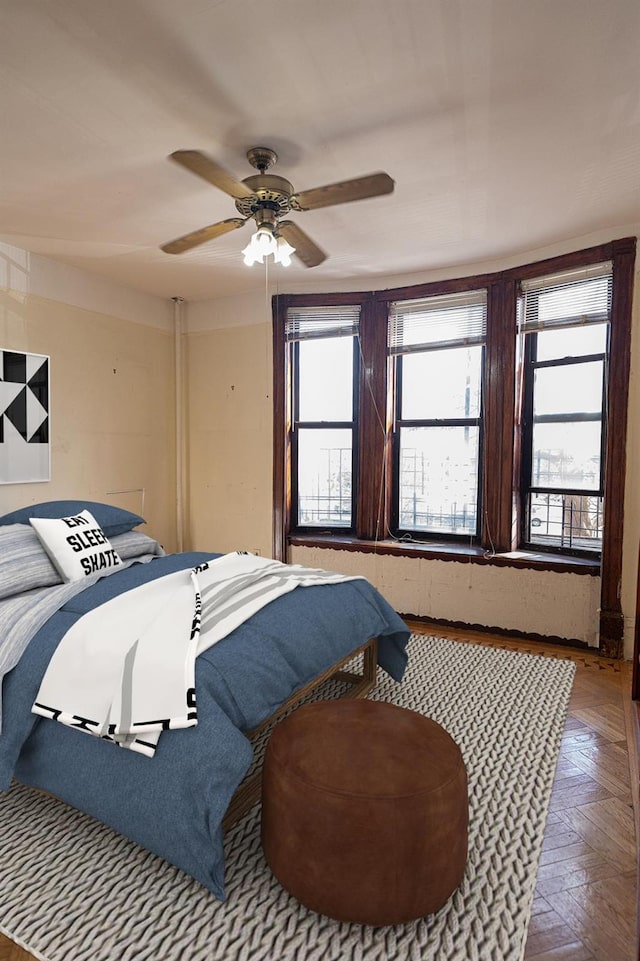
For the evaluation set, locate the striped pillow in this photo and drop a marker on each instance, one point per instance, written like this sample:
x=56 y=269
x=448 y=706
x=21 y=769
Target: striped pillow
x=24 y=564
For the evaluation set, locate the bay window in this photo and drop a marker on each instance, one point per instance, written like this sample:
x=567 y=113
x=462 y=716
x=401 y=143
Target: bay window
x=482 y=418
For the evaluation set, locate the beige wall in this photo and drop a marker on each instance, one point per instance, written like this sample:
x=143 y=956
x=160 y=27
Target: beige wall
x=230 y=415
x=112 y=390
x=631 y=541
x=230 y=439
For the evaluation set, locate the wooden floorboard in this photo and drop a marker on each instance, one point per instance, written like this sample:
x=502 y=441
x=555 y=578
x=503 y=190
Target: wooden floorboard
x=585 y=903
x=586 y=894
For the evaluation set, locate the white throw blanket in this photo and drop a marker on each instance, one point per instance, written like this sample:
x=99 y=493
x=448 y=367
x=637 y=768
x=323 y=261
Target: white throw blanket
x=125 y=671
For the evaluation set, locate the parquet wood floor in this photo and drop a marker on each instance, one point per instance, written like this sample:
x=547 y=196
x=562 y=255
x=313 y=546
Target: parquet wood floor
x=586 y=895
x=585 y=902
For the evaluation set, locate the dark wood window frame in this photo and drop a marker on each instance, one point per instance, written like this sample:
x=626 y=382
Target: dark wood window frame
x=501 y=433
x=298 y=425
x=527 y=486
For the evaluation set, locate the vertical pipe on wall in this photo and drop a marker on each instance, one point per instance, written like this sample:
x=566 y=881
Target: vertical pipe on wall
x=179 y=412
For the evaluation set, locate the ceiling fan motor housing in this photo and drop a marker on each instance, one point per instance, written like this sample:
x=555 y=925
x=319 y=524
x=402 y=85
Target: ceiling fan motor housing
x=269 y=192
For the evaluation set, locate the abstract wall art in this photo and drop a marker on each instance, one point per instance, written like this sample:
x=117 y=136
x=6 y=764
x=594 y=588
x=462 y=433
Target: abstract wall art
x=25 y=452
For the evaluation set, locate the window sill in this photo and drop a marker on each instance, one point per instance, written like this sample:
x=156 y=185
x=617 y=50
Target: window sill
x=446 y=551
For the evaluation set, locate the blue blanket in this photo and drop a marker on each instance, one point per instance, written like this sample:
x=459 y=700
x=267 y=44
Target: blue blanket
x=173 y=804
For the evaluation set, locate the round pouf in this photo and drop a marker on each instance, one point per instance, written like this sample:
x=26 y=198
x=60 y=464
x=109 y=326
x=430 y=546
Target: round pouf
x=365 y=811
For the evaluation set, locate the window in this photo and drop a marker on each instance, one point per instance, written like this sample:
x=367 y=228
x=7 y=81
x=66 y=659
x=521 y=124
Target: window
x=437 y=347
x=482 y=417
x=324 y=362
x=565 y=326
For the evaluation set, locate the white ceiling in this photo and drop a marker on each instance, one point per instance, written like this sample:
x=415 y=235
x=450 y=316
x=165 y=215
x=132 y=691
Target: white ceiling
x=507 y=125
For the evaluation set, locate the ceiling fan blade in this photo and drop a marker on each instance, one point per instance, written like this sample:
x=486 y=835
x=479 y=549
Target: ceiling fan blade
x=198 y=163
x=197 y=237
x=305 y=249
x=373 y=185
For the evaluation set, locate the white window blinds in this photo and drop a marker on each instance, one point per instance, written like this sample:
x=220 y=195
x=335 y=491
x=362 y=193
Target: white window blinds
x=569 y=299
x=305 y=323
x=449 y=320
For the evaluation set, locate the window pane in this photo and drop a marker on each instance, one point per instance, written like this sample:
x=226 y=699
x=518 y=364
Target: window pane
x=572 y=341
x=326 y=379
x=566 y=455
x=324 y=477
x=441 y=384
x=439 y=479
x=564 y=520
x=574 y=388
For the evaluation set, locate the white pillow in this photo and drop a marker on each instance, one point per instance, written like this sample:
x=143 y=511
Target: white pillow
x=77 y=545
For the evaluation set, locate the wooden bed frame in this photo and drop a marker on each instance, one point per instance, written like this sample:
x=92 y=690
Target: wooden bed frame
x=250 y=789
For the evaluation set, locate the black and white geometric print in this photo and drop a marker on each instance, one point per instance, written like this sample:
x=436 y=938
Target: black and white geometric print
x=24 y=417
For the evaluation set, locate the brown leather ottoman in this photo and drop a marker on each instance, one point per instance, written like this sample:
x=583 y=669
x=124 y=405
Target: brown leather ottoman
x=364 y=811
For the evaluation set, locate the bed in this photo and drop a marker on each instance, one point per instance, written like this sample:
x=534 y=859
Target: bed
x=173 y=804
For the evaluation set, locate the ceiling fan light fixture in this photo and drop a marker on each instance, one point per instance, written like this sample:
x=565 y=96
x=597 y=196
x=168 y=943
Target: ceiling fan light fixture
x=264 y=244
x=283 y=253
x=250 y=255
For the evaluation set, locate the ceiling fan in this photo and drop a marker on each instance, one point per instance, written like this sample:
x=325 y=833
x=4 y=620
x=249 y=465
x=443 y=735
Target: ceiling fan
x=266 y=199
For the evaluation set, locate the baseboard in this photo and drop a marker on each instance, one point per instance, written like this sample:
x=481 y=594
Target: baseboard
x=499 y=631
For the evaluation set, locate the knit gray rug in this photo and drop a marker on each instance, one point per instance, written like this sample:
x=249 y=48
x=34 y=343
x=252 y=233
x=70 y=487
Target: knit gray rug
x=72 y=890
